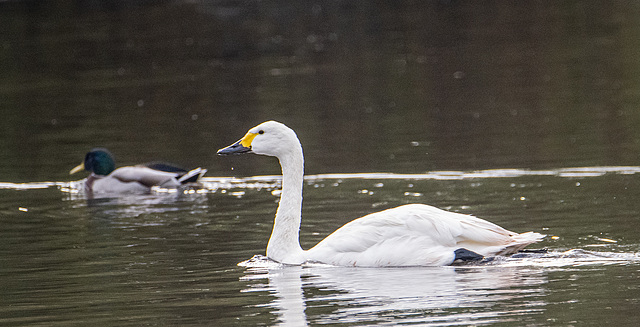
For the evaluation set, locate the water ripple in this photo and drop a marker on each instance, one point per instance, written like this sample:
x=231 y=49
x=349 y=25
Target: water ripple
x=270 y=182
x=568 y=258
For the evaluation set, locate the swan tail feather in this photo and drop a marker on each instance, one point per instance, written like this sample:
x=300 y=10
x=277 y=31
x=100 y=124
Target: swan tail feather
x=520 y=241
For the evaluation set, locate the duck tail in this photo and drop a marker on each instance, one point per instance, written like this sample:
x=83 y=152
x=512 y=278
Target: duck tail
x=192 y=176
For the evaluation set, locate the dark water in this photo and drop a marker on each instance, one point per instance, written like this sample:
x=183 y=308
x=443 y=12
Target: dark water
x=433 y=95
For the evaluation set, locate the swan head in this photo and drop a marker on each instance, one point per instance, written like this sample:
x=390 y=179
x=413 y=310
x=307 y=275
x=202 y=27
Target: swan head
x=270 y=138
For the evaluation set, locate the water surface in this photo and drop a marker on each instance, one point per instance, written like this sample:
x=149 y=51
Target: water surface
x=170 y=257
x=520 y=112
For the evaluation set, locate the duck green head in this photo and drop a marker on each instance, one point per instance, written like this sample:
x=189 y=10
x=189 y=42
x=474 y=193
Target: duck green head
x=99 y=161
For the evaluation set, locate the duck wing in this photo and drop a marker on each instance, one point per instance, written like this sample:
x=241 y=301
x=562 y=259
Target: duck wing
x=164 y=166
x=145 y=176
x=183 y=176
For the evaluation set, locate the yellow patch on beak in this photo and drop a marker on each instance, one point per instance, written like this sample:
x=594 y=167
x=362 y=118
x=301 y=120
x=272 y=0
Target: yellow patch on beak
x=247 y=139
x=77 y=169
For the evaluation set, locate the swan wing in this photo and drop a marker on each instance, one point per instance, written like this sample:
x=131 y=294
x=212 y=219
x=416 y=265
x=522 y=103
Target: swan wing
x=409 y=235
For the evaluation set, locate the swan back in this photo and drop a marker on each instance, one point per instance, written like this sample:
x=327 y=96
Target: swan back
x=415 y=235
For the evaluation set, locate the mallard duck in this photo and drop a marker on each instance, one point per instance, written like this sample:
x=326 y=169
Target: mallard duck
x=105 y=178
x=409 y=235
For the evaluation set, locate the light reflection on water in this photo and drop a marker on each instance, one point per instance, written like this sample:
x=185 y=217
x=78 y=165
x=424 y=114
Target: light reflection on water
x=170 y=256
x=214 y=184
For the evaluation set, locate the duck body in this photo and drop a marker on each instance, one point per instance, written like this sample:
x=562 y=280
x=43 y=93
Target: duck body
x=104 y=178
x=408 y=235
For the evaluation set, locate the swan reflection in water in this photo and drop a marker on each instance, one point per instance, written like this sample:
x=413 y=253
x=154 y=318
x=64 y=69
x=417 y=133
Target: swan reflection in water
x=502 y=289
x=479 y=294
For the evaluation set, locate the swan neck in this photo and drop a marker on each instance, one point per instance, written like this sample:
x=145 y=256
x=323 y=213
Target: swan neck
x=284 y=244
x=292 y=181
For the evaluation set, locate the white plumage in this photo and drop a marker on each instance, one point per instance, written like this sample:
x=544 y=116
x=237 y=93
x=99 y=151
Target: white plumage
x=415 y=235
x=409 y=235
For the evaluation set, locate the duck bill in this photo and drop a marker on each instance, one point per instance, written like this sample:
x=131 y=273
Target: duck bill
x=77 y=169
x=235 y=148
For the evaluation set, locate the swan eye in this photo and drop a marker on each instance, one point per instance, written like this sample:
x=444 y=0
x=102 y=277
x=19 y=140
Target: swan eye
x=261 y=132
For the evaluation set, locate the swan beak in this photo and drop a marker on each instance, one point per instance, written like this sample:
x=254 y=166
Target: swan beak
x=240 y=147
x=77 y=169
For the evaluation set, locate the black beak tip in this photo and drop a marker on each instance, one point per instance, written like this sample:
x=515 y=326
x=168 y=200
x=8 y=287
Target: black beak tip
x=236 y=148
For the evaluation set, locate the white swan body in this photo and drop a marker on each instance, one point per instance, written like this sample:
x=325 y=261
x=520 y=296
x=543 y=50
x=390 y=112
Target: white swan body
x=409 y=235
x=415 y=235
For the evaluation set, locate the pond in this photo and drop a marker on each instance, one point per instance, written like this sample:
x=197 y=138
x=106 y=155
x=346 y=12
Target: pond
x=170 y=258
x=521 y=113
